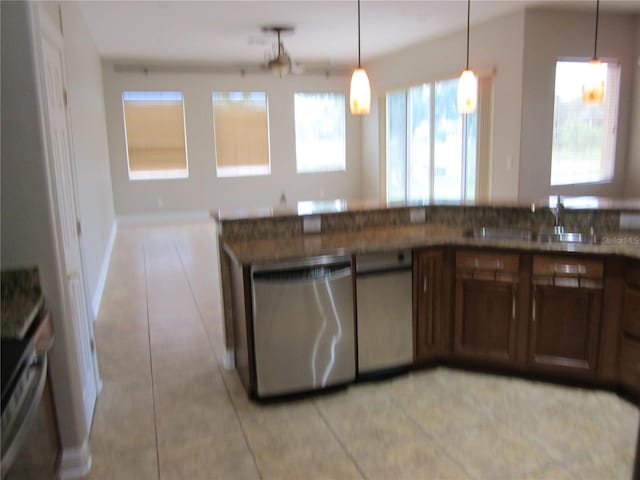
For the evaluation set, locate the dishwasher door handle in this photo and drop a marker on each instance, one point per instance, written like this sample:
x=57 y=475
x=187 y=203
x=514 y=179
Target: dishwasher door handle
x=384 y=270
x=303 y=275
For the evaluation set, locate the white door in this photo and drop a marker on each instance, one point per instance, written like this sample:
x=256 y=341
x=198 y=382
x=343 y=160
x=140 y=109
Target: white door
x=62 y=170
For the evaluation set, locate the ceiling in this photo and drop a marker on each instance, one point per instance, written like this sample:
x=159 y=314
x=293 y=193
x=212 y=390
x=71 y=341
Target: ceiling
x=229 y=32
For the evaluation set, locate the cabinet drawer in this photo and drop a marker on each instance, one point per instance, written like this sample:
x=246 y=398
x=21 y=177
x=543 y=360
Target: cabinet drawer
x=568 y=267
x=568 y=271
x=629 y=365
x=493 y=262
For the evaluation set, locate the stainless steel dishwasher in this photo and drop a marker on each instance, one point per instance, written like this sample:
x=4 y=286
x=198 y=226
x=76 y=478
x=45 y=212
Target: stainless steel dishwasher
x=303 y=325
x=384 y=311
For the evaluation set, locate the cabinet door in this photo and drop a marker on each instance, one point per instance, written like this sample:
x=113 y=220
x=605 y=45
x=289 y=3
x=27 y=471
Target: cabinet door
x=629 y=357
x=485 y=323
x=486 y=306
x=565 y=324
x=430 y=302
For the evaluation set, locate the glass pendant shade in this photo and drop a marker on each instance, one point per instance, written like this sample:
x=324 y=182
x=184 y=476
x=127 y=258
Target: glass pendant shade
x=593 y=87
x=360 y=96
x=467 y=92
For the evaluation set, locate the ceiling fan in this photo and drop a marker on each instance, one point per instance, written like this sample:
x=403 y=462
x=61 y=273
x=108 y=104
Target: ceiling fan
x=280 y=62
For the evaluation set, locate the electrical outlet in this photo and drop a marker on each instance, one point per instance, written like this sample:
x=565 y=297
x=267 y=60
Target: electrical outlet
x=629 y=221
x=417 y=215
x=311 y=224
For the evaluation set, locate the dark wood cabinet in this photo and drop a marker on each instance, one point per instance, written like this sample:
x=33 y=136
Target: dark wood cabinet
x=629 y=357
x=486 y=305
x=432 y=294
x=566 y=313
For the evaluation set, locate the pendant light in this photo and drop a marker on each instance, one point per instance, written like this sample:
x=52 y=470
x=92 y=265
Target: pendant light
x=360 y=95
x=593 y=87
x=468 y=83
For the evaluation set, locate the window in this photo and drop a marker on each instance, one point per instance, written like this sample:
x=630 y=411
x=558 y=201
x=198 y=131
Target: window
x=154 y=134
x=584 y=135
x=320 y=138
x=241 y=129
x=431 y=149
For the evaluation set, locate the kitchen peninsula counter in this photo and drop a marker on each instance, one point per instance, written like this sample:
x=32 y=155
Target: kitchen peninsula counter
x=374 y=239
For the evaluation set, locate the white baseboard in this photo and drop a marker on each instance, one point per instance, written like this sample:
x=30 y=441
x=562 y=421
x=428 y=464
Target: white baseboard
x=165 y=217
x=75 y=462
x=229 y=360
x=102 y=278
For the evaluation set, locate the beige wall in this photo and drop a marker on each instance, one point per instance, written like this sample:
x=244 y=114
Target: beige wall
x=495 y=45
x=91 y=152
x=550 y=36
x=203 y=191
x=632 y=177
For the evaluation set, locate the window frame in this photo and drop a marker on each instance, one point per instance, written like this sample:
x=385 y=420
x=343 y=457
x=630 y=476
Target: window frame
x=482 y=114
x=161 y=174
x=343 y=136
x=609 y=128
x=242 y=170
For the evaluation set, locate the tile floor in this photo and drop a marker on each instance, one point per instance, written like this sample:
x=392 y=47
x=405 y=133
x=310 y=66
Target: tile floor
x=169 y=410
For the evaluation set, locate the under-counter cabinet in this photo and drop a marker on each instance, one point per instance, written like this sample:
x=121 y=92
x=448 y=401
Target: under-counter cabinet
x=629 y=360
x=566 y=313
x=486 y=305
x=432 y=284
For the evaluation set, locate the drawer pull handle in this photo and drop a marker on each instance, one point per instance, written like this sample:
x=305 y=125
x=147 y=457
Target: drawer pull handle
x=495 y=265
x=424 y=285
x=569 y=269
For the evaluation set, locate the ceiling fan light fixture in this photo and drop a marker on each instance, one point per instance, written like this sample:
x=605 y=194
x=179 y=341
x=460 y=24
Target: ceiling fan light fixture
x=593 y=86
x=468 y=83
x=360 y=92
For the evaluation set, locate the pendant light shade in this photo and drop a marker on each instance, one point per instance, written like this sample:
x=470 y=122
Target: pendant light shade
x=360 y=97
x=593 y=86
x=360 y=94
x=467 y=92
x=468 y=83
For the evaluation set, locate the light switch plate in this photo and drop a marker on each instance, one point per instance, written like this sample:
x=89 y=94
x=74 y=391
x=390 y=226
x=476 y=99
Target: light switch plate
x=417 y=215
x=311 y=224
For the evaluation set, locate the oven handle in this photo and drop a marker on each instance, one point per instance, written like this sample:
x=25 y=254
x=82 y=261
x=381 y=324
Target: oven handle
x=25 y=416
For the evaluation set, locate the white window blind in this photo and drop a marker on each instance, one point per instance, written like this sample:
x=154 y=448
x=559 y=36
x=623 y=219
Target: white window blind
x=241 y=128
x=155 y=135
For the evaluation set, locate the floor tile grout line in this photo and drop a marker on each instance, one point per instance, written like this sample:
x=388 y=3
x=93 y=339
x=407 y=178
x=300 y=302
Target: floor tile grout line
x=335 y=435
x=213 y=348
x=153 y=391
x=430 y=436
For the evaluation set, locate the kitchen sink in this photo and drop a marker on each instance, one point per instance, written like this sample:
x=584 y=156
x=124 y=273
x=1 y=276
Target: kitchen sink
x=488 y=233
x=564 y=237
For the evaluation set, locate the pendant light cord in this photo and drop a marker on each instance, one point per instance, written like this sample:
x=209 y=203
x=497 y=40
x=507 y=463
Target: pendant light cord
x=468 y=19
x=359 y=65
x=595 y=45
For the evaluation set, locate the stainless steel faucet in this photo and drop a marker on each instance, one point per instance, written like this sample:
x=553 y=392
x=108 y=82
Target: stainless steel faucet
x=557 y=211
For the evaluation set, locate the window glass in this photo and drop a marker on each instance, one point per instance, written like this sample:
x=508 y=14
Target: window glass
x=396 y=146
x=241 y=130
x=320 y=132
x=154 y=134
x=583 y=148
x=419 y=134
x=431 y=148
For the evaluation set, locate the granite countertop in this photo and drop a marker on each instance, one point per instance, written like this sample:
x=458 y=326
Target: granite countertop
x=342 y=205
x=22 y=300
x=248 y=252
